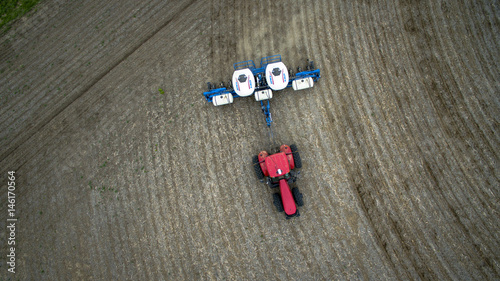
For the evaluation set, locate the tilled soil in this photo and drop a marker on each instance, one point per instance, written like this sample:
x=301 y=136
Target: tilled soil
x=116 y=181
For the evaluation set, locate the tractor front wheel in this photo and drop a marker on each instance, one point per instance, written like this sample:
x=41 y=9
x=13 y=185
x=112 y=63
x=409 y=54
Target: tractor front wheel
x=277 y=202
x=256 y=167
x=299 y=200
x=296 y=156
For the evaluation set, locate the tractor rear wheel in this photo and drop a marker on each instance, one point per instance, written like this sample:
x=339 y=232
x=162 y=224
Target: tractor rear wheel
x=299 y=200
x=296 y=156
x=256 y=167
x=277 y=202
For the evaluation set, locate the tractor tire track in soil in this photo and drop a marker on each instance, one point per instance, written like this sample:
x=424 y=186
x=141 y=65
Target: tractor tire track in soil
x=117 y=179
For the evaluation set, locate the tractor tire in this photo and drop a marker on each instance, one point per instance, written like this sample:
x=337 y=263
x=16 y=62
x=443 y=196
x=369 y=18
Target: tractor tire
x=277 y=202
x=296 y=156
x=299 y=200
x=256 y=167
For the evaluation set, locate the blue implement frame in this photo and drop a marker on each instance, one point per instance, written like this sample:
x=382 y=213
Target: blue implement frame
x=259 y=73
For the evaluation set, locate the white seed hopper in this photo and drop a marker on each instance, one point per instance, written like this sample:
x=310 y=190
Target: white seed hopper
x=243 y=82
x=277 y=76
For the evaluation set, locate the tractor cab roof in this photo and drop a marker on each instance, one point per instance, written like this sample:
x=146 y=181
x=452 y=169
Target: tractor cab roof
x=277 y=165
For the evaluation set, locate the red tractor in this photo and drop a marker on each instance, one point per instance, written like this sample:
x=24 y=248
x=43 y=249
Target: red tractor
x=279 y=169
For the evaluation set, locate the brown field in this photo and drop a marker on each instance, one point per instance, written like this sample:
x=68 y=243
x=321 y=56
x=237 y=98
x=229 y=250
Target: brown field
x=115 y=181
